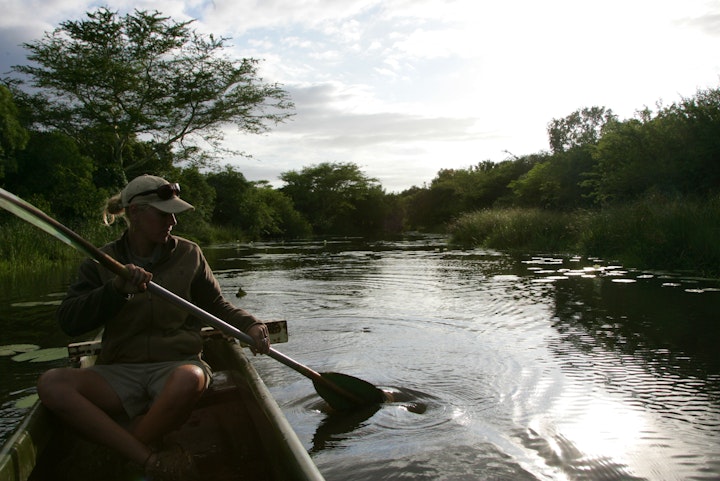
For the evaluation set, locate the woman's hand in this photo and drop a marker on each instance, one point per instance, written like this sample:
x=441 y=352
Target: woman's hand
x=259 y=332
x=136 y=281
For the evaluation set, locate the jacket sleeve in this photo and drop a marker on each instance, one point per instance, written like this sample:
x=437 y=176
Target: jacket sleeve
x=90 y=301
x=207 y=295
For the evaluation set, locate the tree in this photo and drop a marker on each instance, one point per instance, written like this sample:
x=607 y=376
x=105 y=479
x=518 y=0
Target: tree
x=558 y=182
x=255 y=208
x=582 y=127
x=51 y=171
x=700 y=142
x=13 y=137
x=109 y=79
x=273 y=214
x=230 y=186
x=336 y=198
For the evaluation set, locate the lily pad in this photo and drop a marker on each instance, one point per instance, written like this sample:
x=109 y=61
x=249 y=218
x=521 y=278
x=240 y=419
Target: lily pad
x=26 y=402
x=12 y=349
x=42 y=355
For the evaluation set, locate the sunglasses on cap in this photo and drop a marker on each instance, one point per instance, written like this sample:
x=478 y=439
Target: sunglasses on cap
x=165 y=192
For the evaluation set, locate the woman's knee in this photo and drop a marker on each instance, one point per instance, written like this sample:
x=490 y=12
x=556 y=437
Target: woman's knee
x=187 y=380
x=50 y=384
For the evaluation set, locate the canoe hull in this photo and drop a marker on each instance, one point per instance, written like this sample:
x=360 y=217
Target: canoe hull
x=237 y=432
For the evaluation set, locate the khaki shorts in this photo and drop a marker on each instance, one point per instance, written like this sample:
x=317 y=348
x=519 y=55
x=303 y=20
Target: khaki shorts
x=138 y=385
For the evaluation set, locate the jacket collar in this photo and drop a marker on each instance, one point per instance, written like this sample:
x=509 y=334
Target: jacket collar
x=122 y=247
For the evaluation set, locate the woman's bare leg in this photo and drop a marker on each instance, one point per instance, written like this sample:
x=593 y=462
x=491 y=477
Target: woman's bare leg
x=173 y=405
x=82 y=399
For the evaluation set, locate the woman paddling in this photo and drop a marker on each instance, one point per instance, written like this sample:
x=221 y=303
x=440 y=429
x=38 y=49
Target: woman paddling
x=149 y=371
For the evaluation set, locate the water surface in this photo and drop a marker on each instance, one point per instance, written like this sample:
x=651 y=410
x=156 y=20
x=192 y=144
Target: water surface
x=503 y=367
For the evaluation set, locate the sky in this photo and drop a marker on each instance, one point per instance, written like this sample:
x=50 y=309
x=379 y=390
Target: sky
x=405 y=88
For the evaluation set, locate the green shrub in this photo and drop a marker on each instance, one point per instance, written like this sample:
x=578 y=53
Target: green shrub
x=655 y=232
x=515 y=229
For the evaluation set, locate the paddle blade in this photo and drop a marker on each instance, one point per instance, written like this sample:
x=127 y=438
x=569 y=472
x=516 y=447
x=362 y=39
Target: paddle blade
x=363 y=392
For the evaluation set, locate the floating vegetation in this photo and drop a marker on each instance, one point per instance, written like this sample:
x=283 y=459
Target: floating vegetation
x=42 y=355
x=26 y=401
x=13 y=349
x=33 y=353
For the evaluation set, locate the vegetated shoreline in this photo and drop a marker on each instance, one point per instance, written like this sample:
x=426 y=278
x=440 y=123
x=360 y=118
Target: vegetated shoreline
x=652 y=233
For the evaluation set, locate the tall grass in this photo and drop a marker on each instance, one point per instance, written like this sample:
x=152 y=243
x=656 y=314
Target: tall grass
x=25 y=248
x=659 y=232
x=515 y=229
x=655 y=232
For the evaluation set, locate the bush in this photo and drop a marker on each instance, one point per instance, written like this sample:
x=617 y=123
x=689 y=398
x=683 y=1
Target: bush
x=655 y=232
x=516 y=229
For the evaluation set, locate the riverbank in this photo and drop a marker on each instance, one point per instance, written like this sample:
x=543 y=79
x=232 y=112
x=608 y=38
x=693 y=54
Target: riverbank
x=656 y=232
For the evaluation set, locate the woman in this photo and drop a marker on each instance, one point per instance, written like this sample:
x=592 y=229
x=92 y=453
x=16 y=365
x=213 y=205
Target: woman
x=149 y=370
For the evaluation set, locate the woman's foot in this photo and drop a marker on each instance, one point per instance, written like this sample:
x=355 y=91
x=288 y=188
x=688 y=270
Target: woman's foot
x=172 y=464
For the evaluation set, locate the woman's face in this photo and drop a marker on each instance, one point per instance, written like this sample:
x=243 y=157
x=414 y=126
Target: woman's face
x=152 y=225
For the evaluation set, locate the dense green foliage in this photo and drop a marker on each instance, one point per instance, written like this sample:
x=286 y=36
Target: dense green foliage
x=336 y=198
x=113 y=97
x=13 y=137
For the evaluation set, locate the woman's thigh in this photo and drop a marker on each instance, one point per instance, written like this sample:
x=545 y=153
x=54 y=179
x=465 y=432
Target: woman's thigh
x=58 y=386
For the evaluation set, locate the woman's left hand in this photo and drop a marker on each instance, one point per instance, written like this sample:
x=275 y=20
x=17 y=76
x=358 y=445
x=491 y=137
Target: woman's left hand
x=259 y=332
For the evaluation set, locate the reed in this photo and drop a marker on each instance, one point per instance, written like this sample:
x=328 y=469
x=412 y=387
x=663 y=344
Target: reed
x=516 y=229
x=660 y=232
x=655 y=232
x=25 y=248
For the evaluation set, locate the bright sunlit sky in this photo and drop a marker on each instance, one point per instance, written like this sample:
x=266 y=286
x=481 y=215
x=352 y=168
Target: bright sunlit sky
x=404 y=88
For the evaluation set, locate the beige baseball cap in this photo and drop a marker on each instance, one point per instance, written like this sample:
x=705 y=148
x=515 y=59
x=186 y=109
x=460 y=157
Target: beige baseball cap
x=154 y=191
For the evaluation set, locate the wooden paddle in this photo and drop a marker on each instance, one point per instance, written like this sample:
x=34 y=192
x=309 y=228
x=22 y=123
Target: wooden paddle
x=339 y=390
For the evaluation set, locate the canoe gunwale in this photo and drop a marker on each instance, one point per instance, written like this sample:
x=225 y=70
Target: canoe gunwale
x=20 y=453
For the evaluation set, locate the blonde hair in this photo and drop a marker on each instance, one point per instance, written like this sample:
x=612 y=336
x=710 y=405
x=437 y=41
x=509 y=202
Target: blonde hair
x=113 y=209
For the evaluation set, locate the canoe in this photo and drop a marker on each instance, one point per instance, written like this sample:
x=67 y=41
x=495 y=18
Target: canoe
x=236 y=431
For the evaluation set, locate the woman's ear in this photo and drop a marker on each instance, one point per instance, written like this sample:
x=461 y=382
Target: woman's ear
x=131 y=210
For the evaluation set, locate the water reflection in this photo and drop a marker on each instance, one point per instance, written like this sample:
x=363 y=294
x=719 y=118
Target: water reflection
x=338 y=423
x=643 y=346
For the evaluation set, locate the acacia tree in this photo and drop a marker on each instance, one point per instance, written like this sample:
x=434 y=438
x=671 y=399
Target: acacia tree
x=109 y=80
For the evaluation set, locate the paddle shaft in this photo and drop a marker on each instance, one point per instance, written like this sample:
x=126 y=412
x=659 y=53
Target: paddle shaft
x=41 y=220
x=231 y=330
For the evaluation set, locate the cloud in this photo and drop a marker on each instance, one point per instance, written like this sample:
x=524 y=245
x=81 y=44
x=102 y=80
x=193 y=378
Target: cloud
x=245 y=15
x=325 y=115
x=709 y=22
x=393 y=146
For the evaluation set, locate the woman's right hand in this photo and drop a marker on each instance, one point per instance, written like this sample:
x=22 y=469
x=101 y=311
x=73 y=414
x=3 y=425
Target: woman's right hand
x=136 y=280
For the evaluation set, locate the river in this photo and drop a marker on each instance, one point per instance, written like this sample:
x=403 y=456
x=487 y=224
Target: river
x=534 y=367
